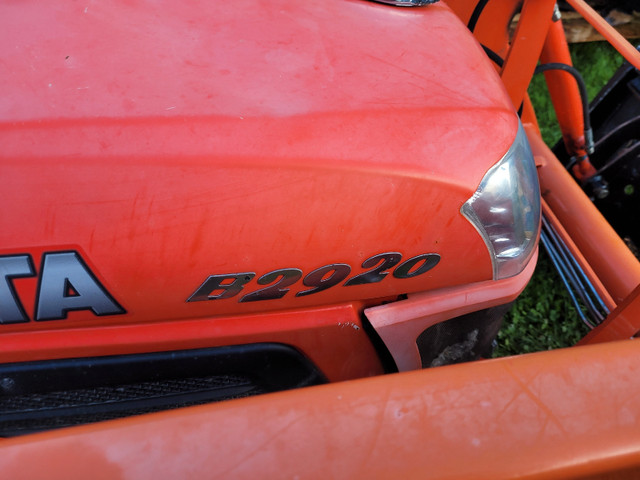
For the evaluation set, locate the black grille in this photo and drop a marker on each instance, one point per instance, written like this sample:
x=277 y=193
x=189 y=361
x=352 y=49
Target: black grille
x=94 y=396
x=38 y=396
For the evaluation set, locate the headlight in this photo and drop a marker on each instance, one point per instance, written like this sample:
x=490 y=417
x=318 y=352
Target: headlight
x=506 y=209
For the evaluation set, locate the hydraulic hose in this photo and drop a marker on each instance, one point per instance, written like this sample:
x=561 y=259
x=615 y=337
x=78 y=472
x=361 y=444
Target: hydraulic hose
x=588 y=132
x=475 y=16
x=582 y=88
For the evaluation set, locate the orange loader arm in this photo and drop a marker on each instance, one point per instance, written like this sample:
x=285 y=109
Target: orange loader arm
x=569 y=413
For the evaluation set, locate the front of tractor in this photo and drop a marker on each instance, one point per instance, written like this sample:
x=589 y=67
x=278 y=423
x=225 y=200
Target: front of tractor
x=268 y=209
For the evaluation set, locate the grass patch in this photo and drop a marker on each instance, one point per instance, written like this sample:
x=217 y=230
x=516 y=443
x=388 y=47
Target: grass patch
x=543 y=317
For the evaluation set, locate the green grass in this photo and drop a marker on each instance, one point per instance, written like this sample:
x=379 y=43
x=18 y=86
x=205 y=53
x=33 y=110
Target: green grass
x=543 y=317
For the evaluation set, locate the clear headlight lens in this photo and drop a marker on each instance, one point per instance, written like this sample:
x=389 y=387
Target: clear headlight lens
x=506 y=209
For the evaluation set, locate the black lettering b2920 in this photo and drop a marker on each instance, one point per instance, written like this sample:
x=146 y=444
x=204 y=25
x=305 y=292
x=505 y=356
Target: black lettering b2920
x=285 y=276
x=381 y=262
x=407 y=269
x=227 y=285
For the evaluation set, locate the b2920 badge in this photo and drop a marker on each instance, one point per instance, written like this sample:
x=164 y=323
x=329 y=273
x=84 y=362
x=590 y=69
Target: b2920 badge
x=279 y=283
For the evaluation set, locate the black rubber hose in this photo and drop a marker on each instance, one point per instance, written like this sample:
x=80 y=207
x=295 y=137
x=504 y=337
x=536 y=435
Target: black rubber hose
x=498 y=60
x=588 y=133
x=493 y=56
x=476 y=14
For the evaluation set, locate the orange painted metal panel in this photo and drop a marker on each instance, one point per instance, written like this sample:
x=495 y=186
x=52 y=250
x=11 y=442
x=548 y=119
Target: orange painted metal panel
x=622 y=323
x=492 y=27
x=310 y=160
x=159 y=180
x=562 y=414
x=526 y=46
x=605 y=251
x=529 y=115
x=332 y=337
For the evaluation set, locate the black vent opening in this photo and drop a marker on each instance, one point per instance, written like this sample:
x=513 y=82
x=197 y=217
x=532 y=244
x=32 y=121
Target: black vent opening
x=43 y=395
x=461 y=339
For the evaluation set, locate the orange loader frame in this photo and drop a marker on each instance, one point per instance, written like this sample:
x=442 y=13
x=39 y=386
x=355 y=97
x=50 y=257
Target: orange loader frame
x=572 y=413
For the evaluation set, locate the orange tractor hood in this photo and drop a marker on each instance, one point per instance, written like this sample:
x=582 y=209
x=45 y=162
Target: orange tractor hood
x=164 y=145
